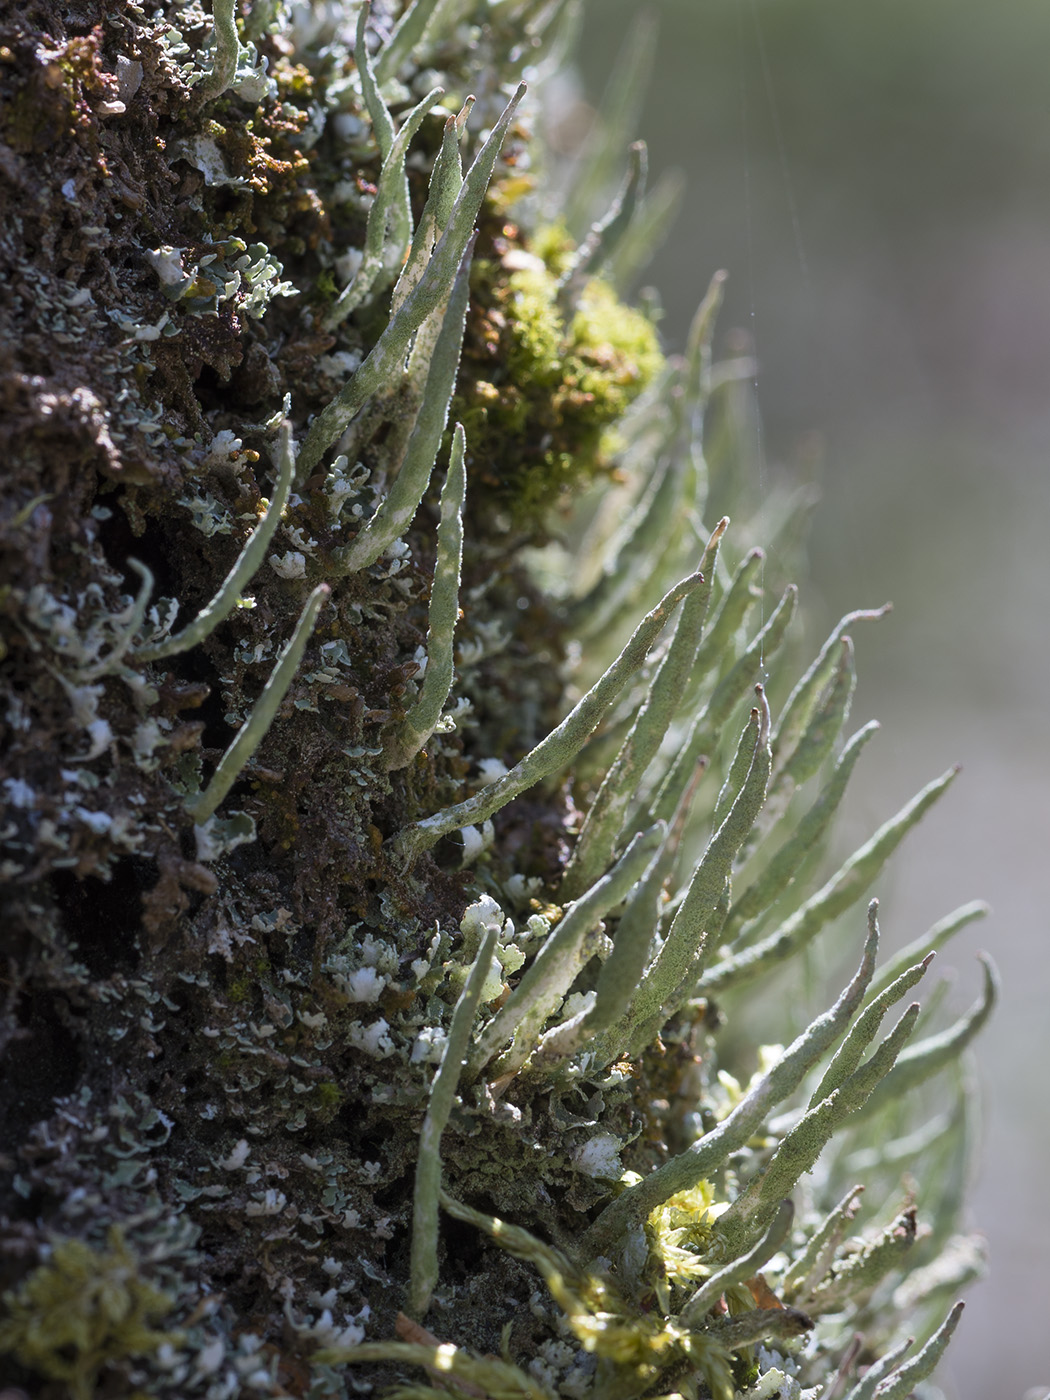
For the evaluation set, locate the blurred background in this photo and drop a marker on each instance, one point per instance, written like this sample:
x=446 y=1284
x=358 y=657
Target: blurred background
x=876 y=179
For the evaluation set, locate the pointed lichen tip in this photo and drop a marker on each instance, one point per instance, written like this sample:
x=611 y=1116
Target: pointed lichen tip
x=708 y=308
x=871 y=947
x=765 y=719
x=991 y=973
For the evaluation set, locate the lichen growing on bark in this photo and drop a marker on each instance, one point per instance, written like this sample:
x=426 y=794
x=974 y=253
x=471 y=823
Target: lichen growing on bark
x=391 y=815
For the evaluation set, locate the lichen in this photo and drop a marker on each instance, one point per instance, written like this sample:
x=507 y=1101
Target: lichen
x=389 y=823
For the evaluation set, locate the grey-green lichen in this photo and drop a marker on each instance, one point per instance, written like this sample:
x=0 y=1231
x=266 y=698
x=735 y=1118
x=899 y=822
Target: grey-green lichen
x=328 y=1017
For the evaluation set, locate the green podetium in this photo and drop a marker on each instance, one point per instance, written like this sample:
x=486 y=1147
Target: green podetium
x=244 y=569
x=432 y=291
x=830 y=901
x=555 y=967
x=606 y=814
x=389 y=227
x=422 y=719
x=439 y=1106
x=253 y=730
x=399 y=505
x=560 y=746
x=684 y=1171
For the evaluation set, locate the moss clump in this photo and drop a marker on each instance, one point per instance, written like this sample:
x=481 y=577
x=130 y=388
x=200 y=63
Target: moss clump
x=542 y=379
x=328 y=1099
x=81 y=1310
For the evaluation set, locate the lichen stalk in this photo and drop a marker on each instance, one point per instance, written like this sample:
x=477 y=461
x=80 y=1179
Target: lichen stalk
x=442 y=1095
x=848 y=1056
x=799 y=1149
x=679 y=965
x=253 y=730
x=606 y=815
x=446 y=181
x=682 y=1173
x=421 y=720
x=227 y=50
x=382 y=122
x=832 y=899
x=562 y=744
x=389 y=220
x=705 y=1297
x=409 y=31
x=554 y=969
x=244 y=568
x=401 y=502
x=724 y=699
x=923 y=1060
x=899 y=1384
x=777 y=875
x=430 y=292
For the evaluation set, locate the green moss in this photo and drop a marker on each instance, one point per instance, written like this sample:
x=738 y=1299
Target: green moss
x=618 y=343
x=537 y=330
x=81 y=1311
x=542 y=382
x=327 y=1099
x=554 y=244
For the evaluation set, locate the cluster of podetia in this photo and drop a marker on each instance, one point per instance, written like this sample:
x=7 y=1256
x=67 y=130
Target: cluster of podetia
x=341 y=1045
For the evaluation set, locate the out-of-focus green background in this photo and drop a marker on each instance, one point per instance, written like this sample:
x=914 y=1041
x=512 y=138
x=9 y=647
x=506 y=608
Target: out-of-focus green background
x=912 y=140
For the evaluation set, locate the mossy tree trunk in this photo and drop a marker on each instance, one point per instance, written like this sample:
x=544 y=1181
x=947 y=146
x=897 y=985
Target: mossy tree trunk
x=223 y=995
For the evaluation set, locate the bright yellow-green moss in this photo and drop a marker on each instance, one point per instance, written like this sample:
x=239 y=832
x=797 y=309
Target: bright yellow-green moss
x=81 y=1310
x=616 y=347
x=327 y=1100
x=537 y=330
x=678 y=1233
x=541 y=381
x=554 y=244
